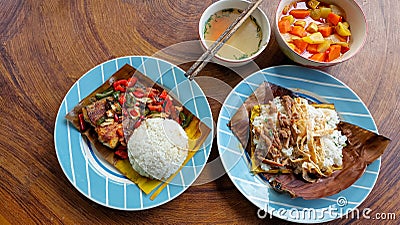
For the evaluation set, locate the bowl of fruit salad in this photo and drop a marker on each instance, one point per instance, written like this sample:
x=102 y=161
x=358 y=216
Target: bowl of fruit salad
x=320 y=33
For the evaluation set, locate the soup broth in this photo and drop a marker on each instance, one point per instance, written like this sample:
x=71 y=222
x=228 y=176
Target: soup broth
x=245 y=42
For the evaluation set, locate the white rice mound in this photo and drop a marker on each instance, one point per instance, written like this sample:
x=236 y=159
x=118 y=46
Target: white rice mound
x=158 y=148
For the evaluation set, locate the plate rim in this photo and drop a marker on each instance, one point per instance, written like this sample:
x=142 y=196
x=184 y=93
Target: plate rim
x=143 y=58
x=228 y=170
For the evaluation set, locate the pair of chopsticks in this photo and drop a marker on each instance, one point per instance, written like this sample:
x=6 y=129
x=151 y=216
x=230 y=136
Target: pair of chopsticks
x=213 y=49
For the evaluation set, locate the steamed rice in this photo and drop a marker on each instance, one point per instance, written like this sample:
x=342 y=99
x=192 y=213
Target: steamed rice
x=158 y=148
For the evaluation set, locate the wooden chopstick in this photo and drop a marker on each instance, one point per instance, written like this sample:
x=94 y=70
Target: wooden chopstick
x=213 y=49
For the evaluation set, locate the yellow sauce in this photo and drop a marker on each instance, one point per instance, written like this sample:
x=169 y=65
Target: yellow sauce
x=243 y=43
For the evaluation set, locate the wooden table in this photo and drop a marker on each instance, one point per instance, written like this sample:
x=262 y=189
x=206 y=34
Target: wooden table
x=47 y=45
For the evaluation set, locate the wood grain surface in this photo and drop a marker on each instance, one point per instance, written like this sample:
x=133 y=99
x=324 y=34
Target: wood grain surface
x=45 y=46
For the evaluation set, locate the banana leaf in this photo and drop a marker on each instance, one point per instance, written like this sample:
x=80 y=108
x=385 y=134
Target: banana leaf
x=363 y=147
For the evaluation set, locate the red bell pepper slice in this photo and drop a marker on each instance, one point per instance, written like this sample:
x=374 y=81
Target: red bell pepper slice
x=163 y=94
x=122 y=99
x=134 y=113
x=137 y=124
x=157 y=108
x=120 y=83
x=120 y=132
x=132 y=81
x=138 y=94
x=168 y=105
x=121 y=154
x=82 y=123
x=120 y=88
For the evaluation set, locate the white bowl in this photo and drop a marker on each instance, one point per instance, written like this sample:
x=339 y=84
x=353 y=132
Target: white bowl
x=358 y=25
x=258 y=14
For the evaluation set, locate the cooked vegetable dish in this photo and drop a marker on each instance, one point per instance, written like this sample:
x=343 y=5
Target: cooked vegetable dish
x=315 y=30
x=129 y=101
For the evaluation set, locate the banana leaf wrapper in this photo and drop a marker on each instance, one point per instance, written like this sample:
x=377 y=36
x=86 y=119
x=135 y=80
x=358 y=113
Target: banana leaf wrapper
x=196 y=131
x=363 y=148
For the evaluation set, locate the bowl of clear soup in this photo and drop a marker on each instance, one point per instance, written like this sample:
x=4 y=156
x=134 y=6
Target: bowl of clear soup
x=249 y=40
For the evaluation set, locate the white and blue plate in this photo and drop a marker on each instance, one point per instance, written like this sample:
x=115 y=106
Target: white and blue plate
x=316 y=85
x=96 y=178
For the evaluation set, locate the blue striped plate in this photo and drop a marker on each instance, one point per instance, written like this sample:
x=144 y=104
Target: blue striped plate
x=96 y=178
x=313 y=84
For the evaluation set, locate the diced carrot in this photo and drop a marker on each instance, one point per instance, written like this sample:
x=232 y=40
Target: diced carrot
x=284 y=26
x=299 y=31
x=299 y=13
x=312 y=48
x=300 y=44
x=333 y=52
x=344 y=49
x=334 y=18
x=318 y=57
x=341 y=38
x=326 y=31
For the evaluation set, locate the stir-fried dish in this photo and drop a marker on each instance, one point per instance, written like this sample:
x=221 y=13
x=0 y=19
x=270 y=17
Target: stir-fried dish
x=121 y=108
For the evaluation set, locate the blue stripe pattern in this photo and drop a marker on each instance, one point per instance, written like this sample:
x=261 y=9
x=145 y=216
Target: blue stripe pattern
x=313 y=84
x=95 y=178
